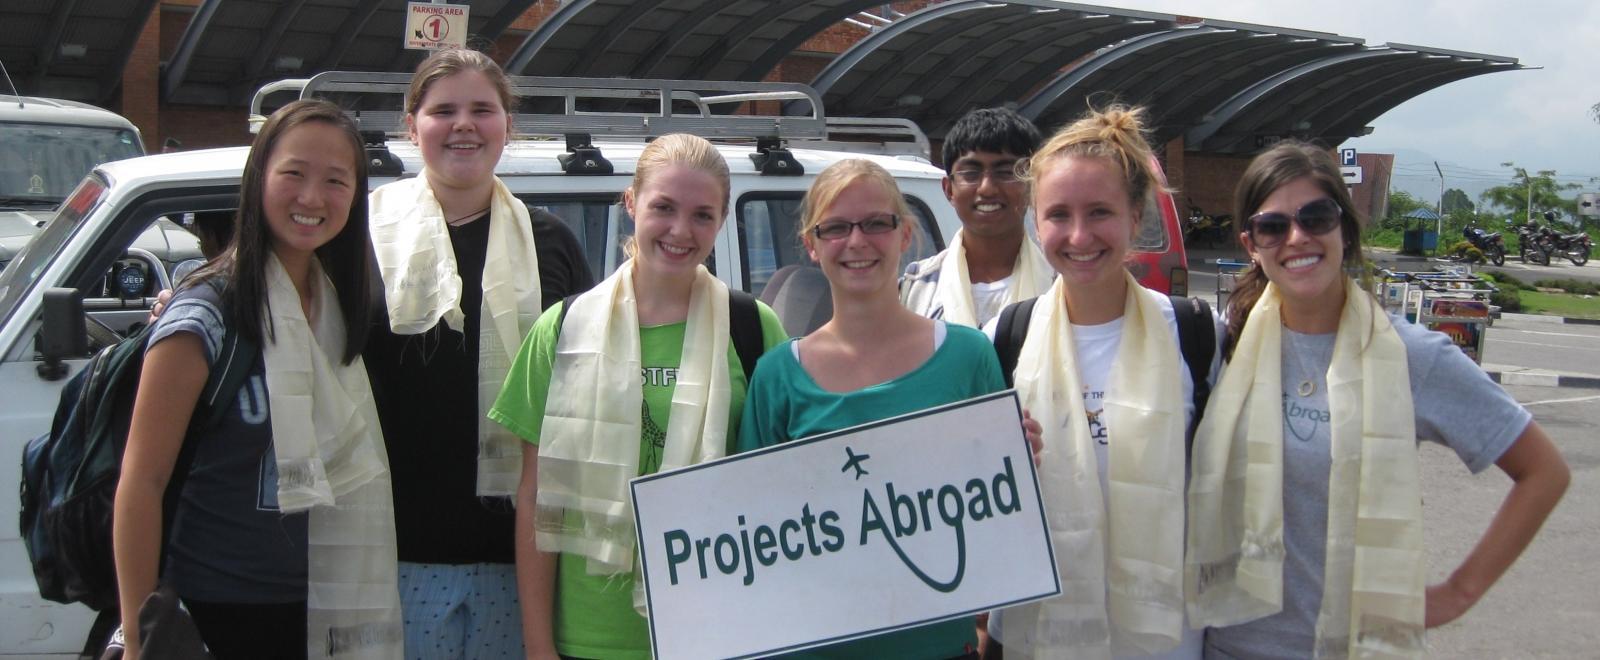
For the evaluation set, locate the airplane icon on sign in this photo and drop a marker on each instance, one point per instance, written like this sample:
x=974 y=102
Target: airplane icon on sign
x=855 y=462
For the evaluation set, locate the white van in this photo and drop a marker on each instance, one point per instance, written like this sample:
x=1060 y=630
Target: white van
x=89 y=246
x=46 y=147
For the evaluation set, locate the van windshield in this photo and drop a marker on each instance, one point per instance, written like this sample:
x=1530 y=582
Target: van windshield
x=41 y=163
x=20 y=275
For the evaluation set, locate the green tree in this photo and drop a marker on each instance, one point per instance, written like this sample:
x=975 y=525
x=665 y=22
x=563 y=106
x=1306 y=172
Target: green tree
x=1541 y=186
x=1456 y=200
x=1401 y=203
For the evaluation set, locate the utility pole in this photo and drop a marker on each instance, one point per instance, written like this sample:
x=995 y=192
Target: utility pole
x=1530 y=197
x=1439 y=224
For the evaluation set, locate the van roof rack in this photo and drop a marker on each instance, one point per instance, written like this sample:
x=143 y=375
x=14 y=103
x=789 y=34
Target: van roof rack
x=609 y=107
x=623 y=108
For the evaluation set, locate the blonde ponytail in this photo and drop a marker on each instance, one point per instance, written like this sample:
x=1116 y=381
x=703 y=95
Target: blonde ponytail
x=1116 y=134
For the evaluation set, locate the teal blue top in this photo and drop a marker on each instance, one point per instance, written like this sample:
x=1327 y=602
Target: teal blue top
x=784 y=403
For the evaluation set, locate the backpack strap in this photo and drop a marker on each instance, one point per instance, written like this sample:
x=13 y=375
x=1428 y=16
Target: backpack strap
x=235 y=360
x=744 y=327
x=566 y=306
x=1009 y=333
x=1197 y=340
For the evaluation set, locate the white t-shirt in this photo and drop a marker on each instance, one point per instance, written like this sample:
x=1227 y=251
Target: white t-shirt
x=987 y=297
x=1096 y=347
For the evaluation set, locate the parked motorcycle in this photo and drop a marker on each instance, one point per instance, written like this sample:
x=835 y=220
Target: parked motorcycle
x=1575 y=247
x=1201 y=228
x=1491 y=244
x=1533 y=245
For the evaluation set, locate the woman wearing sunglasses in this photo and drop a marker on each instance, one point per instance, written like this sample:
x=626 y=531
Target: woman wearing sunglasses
x=874 y=359
x=1305 y=529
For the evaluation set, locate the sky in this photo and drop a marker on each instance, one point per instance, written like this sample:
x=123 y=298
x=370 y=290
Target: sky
x=1538 y=119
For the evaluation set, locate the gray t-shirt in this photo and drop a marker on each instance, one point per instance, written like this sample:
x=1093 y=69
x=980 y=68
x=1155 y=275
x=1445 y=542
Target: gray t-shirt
x=229 y=542
x=1456 y=405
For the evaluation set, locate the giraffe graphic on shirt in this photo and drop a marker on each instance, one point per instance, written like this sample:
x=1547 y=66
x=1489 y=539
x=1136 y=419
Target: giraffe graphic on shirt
x=655 y=441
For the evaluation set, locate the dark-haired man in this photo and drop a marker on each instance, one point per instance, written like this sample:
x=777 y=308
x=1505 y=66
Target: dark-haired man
x=991 y=262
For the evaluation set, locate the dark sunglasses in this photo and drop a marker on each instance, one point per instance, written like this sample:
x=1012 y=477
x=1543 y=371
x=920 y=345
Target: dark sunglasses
x=834 y=230
x=1268 y=230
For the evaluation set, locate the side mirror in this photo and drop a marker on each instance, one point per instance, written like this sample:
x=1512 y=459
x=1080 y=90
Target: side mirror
x=62 y=333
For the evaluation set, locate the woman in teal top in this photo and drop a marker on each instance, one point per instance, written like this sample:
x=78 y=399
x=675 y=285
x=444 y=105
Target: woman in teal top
x=874 y=359
x=639 y=375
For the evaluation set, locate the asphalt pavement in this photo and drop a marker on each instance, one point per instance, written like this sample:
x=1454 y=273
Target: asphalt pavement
x=1548 y=604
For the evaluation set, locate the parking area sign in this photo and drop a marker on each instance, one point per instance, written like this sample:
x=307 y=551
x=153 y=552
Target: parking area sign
x=435 y=26
x=1347 y=157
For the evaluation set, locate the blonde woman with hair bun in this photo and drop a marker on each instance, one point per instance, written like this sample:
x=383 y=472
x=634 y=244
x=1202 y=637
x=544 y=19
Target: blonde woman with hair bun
x=1100 y=366
x=639 y=375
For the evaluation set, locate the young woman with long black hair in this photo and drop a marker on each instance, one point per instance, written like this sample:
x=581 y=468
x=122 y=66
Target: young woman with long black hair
x=283 y=539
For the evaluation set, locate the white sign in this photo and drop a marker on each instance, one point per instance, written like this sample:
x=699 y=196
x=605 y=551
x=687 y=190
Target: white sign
x=1589 y=205
x=898 y=523
x=431 y=26
x=1352 y=175
x=1347 y=157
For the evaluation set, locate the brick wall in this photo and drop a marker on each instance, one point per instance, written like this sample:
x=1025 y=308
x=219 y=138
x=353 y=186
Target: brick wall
x=1173 y=162
x=141 y=84
x=201 y=127
x=535 y=15
x=1372 y=194
x=1209 y=180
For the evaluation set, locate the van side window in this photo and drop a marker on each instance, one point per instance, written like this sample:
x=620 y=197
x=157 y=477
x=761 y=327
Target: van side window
x=769 y=238
x=586 y=216
x=1152 y=227
x=601 y=224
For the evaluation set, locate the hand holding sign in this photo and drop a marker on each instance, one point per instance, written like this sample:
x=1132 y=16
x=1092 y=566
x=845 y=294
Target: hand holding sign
x=889 y=525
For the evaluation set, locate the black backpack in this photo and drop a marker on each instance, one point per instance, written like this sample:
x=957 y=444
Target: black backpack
x=744 y=327
x=1197 y=341
x=69 y=476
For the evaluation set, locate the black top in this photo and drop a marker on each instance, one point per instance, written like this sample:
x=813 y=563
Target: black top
x=230 y=543
x=426 y=388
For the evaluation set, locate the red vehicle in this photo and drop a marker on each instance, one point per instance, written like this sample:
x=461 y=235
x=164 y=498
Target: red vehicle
x=1158 y=259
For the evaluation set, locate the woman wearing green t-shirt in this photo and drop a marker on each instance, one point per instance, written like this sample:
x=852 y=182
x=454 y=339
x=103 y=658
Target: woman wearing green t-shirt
x=874 y=359
x=648 y=380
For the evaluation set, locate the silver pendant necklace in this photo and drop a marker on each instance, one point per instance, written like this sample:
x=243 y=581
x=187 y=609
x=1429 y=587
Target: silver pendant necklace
x=1307 y=386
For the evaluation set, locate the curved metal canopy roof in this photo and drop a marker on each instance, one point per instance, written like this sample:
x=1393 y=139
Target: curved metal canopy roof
x=231 y=48
x=72 y=49
x=1224 y=86
x=1180 y=74
x=937 y=63
x=739 y=40
x=1333 y=98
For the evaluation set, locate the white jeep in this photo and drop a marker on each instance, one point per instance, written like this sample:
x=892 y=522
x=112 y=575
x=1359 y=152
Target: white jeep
x=87 y=252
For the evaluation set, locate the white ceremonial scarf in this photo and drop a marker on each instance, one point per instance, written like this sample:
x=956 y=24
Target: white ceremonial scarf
x=1373 y=601
x=1031 y=275
x=332 y=463
x=421 y=287
x=589 y=441
x=1121 y=564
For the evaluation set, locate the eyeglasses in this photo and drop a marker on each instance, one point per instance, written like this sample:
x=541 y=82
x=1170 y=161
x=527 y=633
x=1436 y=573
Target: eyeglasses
x=834 y=230
x=1268 y=230
x=1000 y=174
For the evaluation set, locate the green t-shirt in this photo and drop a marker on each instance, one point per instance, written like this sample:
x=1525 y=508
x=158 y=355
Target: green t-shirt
x=786 y=404
x=594 y=615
